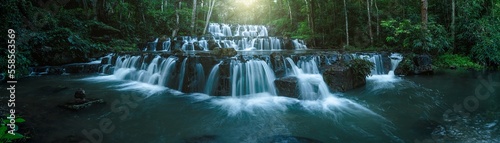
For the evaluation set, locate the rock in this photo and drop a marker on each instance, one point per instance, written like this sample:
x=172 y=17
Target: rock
x=278 y=64
x=79 y=106
x=82 y=68
x=177 y=51
x=224 y=52
x=341 y=78
x=423 y=64
x=287 y=86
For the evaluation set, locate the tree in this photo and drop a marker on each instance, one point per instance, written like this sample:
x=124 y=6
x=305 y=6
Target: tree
x=346 y=23
x=193 y=18
x=211 y=4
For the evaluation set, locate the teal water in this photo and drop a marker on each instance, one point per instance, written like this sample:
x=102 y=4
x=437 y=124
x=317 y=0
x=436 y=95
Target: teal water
x=387 y=109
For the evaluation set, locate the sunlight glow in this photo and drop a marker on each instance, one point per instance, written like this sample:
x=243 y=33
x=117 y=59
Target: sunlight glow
x=247 y=2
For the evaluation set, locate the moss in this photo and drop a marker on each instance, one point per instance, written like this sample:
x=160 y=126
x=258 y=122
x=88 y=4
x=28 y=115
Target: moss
x=456 y=61
x=361 y=68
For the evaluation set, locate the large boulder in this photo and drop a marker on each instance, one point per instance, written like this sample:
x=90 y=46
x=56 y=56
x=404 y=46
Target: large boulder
x=342 y=78
x=419 y=64
x=287 y=86
x=423 y=64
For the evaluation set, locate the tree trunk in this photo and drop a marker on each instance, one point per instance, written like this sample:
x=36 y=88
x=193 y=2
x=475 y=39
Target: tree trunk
x=453 y=23
x=346 y=24
x=369 y=21
x=193 y=18
x=211 y=4
x=290 y=12
x=177 y=21
x=378 y=19
x=424 y=14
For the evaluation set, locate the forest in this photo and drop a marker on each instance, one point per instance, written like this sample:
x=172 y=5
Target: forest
x=464 y=33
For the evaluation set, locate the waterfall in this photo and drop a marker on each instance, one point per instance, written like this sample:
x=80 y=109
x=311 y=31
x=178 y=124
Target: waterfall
x=395 y=59
x=226 y=30
x=376 y=59
x=166 y=45
x=311 y=85
x=299 y=44
x=308 y=65
x=212 y=80
x=166 y=69
x=251 y=77
x=199 y=78
x=183 y=71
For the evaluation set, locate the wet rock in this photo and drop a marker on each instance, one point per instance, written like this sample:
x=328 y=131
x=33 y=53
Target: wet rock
x=423 y=64
x=287 y=86
x=81 y=68
x=341 y=78
x=224 y=52
x=47 y=70
x=277 y=64
x=79 y=106
x=418 y=65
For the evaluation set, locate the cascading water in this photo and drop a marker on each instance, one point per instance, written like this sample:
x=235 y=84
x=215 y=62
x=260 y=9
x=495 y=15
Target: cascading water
x=376 y=59
x=395 y=59
x=311 y=84
x=183 y=71
x=251 y=77
x=299 y=44
x=212 y=79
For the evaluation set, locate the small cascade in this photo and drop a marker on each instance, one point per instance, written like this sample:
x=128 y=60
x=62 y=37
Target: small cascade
x=311 y=85
x=212 y=80
x=251 y=77
x=376 y=59
x=166 y=45
x=199 y=84
x=395 y=59
x=308 y=65
x=156 y=72
x=226 y=30
x=182 y=73
x=299 y=44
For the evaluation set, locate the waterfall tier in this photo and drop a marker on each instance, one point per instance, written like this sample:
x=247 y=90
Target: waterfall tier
x=240 y=37
x=237 y=76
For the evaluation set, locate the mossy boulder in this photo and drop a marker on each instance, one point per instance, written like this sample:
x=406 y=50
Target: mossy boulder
x=224 y=52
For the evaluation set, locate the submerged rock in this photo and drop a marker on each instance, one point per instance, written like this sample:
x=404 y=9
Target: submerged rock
x=79 y=106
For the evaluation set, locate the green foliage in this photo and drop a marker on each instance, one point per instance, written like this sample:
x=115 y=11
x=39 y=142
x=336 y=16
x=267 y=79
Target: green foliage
x=411 y=37
x=487 y=48
x=7 y=137
x=361 y=68
x=303 y=32
x=454 y=60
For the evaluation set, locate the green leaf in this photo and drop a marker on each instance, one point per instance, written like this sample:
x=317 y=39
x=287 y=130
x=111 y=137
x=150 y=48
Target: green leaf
x=12 y=137
x=3 y=130
x=20 y=120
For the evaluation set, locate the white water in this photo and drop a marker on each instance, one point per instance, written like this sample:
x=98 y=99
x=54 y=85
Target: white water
x=251 y=77
x=183 y=71
x=311 y=84
x=212 y=79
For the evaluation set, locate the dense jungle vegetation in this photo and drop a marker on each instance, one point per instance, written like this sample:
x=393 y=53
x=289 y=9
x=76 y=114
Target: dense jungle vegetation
x=55 y=32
